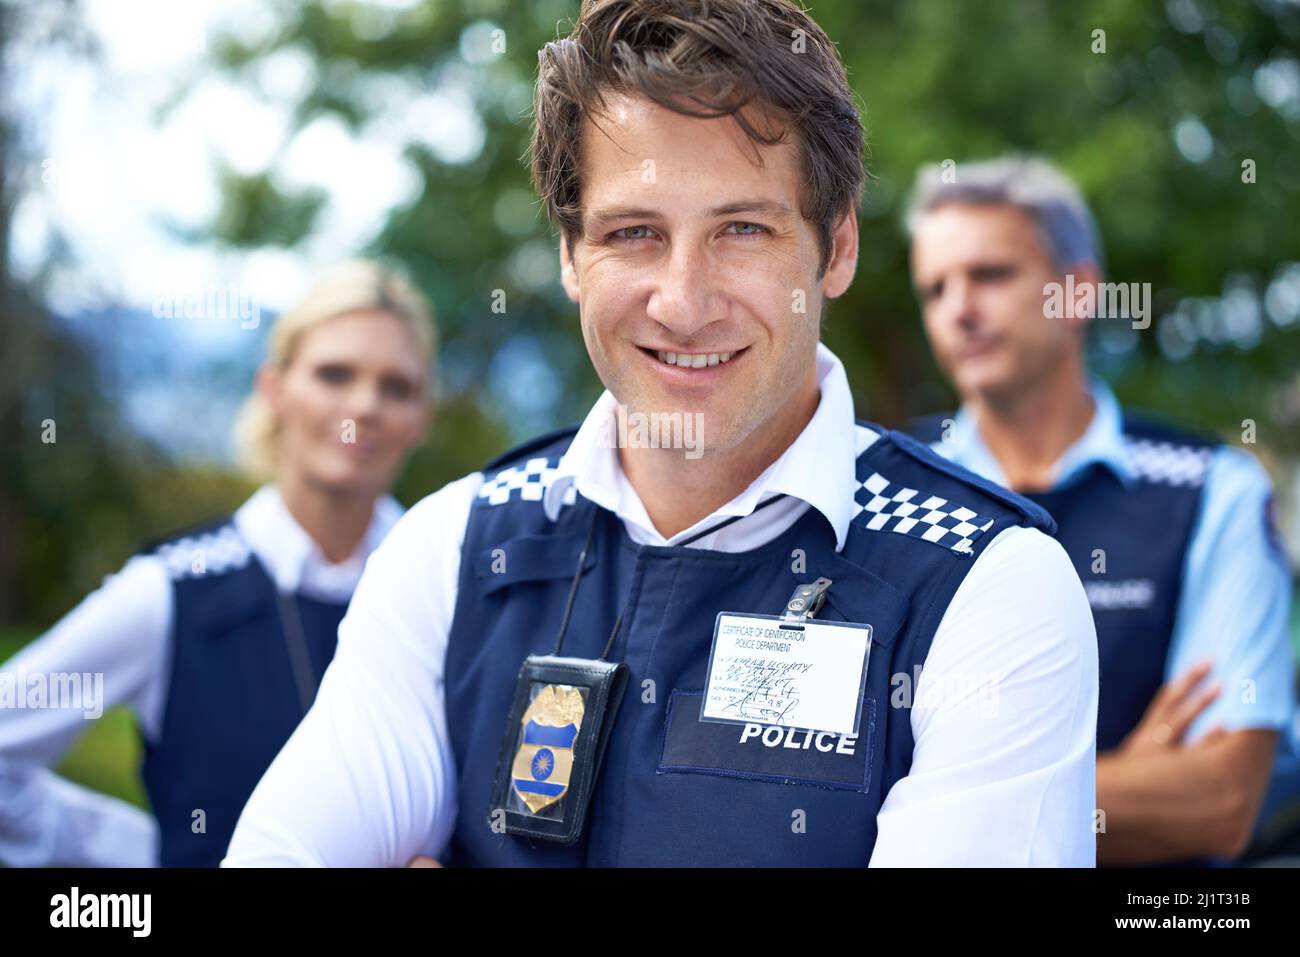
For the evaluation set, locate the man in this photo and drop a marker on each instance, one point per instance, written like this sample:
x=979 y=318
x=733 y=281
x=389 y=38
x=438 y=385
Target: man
x=1169 y=532
x=702 y=162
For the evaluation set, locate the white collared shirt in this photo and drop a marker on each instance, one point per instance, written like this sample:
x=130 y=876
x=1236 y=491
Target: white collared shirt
x=368 y=778
x=123 y=631
x=591 y=465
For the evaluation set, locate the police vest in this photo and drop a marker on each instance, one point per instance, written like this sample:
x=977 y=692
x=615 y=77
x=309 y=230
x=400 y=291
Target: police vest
x=232 y=700
x=1129 y=546
x=673 y=790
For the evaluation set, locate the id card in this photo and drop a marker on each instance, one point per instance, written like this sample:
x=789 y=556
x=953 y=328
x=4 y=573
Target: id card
x=764 y=669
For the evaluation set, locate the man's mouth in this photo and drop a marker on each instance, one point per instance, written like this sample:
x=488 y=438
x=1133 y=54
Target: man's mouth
x=692 y=360
x=978 y=346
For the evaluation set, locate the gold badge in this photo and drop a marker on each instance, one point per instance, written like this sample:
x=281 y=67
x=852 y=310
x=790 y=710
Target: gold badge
x=544 y=760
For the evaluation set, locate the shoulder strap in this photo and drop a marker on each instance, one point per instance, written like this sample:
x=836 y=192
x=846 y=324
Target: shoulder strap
x=530 y=447
x=929 y=428
x=1032 y=514
x=1147 y=426
x=193 y=531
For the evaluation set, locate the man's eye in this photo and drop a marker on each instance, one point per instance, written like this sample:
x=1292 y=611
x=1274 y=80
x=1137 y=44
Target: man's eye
x=993 y=273
x=748 y=229
x=334 y=375
x=633 y=233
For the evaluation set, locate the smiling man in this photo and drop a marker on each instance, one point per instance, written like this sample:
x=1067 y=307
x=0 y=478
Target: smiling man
x=609 y=652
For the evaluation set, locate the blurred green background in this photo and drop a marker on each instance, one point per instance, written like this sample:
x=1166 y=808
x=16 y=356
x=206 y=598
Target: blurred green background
x=1153 y=107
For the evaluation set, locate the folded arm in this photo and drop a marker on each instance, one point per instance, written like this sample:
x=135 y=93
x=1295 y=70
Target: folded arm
x=1176 y=789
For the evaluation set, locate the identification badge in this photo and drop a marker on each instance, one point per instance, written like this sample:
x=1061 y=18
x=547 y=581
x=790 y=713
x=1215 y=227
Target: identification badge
x=788 y=670
x=556 y=732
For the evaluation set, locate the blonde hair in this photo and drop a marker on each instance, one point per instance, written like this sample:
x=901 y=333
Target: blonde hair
x=354 y=286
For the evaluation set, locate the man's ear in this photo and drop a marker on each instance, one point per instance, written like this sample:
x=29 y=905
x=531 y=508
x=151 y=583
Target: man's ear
x=568 y=275
x=1085 y=274
x=844 y=257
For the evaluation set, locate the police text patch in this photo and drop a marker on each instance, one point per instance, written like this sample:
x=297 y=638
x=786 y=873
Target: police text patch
x=766 y=752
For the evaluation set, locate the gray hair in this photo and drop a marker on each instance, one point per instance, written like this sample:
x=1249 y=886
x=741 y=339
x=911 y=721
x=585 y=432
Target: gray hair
x=1027 y=182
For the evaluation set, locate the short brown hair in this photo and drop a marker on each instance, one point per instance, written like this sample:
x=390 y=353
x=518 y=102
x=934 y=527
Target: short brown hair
x=702 y=58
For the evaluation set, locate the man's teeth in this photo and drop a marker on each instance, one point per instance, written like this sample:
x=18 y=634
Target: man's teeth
x=696 y=361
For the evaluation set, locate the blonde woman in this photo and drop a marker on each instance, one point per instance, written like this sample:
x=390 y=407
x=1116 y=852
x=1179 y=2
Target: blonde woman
x=218 y=637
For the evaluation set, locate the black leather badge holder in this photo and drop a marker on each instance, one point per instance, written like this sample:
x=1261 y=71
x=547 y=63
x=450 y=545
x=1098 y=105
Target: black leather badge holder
x=556 y=732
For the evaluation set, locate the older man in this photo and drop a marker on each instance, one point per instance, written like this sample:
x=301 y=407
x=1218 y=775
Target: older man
x=1170 y=532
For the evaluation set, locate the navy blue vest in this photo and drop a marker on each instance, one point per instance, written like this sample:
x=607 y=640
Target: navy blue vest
x=231 y=699
x=673 y=790
x=1142 y=535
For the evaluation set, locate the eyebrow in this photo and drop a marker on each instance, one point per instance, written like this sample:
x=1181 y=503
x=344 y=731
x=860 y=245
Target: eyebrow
x=768 y=207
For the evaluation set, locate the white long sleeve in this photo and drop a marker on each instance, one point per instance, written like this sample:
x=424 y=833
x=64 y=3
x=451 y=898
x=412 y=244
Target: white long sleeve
x=123 y=633
x=367 y=779
x=1004 y=722
x=120 y=633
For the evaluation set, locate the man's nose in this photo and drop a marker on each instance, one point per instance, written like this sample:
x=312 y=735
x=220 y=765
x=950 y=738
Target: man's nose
x=685 y=297
x=959 y=303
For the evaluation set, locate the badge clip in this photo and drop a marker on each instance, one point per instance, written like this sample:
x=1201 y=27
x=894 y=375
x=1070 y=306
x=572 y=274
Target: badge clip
x=806 y=601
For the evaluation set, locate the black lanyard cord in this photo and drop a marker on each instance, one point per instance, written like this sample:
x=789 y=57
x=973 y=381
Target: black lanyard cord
x=577 y=576
x=295 y=640
x=618 y=622
x=729 y=521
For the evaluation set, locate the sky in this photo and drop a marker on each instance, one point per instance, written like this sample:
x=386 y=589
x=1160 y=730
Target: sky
x=116 y=177
x=113 y=176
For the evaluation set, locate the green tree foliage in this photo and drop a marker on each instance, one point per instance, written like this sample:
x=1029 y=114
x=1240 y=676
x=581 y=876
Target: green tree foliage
x=79 y=493
x=1109 y=90
x=1154 y=107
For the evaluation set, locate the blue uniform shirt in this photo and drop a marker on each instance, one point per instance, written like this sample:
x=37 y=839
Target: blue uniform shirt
x=1234 y=603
